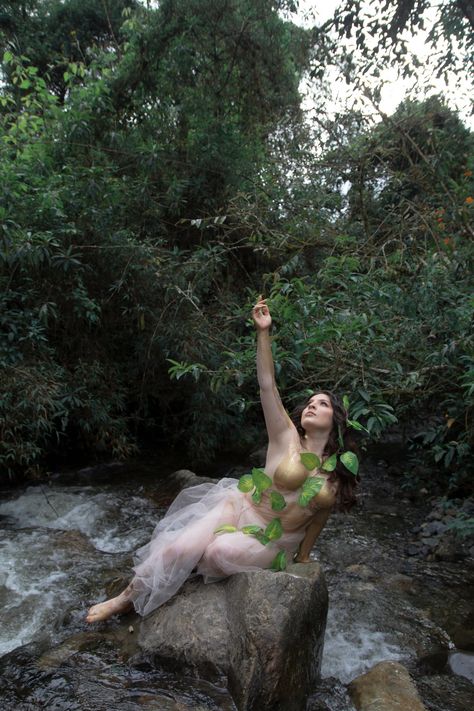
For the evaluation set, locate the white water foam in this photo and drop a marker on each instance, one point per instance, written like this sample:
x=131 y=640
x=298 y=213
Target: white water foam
x=33 y=584
x=44 y=573
x=351 y=649
x=113 y=523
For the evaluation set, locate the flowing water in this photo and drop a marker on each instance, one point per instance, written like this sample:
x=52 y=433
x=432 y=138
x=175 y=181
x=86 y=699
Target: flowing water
x=61 y=544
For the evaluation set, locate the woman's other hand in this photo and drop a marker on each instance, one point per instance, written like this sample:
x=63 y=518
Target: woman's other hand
x=261 y=315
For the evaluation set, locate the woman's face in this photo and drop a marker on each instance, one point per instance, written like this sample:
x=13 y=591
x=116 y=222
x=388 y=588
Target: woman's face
x=318 y=413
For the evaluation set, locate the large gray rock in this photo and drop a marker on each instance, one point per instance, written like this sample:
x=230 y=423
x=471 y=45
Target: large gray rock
x=184 y=478
x=259 y=633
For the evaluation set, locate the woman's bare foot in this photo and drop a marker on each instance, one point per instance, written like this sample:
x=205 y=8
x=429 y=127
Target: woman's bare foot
x=106 y=609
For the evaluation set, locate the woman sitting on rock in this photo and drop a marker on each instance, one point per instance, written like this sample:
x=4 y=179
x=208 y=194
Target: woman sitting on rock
x=236 y=526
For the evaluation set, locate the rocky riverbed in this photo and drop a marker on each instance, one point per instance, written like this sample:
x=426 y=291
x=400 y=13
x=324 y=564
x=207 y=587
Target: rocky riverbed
x=63 y=544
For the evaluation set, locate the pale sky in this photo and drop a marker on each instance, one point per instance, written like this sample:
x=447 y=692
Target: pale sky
x=394 y=89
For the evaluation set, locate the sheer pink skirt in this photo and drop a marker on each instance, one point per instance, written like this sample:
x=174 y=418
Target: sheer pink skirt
x=184 y=540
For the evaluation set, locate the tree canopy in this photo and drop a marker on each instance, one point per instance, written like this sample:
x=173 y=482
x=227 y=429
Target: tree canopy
x=157 y=174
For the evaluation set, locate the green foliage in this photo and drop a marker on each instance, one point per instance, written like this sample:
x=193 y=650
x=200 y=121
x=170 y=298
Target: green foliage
x=101 y=202
x=310 y=488
x=261 y=481
x=310 y=461
x=257 y=482
x=274 y=529
x=463 y=525
x=58 y=36
x=246 y=483
x=225 y=528
x=252 y=529
x=279 y=562
x=157 y=174
x=40 y=403
x=350 y=461
x=330 y=464
x=272 y=532
x=277 y=501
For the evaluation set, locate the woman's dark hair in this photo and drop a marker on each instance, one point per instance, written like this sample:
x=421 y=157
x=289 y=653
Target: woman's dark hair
x=346 y=496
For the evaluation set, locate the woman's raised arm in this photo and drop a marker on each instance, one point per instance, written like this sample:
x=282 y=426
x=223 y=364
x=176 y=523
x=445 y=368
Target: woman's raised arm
x=279 y=425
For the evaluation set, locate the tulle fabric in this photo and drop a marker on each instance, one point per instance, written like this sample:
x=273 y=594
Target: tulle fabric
x=184 y=541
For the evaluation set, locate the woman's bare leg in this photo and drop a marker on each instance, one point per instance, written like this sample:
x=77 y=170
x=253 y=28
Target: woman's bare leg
x=194 y=537
x=114 y=606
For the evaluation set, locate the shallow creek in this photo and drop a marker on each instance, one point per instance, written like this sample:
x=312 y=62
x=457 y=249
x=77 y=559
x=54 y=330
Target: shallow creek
x=61 y=544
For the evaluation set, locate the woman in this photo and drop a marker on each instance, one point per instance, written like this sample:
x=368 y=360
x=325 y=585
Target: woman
x=185 y=540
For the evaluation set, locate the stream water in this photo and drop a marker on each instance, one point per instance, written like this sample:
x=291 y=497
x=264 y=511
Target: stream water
x=61 y=544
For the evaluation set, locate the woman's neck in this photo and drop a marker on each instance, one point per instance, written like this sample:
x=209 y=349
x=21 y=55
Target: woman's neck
x=315 y=442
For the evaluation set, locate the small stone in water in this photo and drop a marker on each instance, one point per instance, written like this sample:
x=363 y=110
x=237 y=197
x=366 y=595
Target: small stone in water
x=130 y=629
x=462 y=663
x=433 y=528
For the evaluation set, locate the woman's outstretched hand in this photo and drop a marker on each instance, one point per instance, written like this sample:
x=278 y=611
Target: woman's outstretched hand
x=261 y=315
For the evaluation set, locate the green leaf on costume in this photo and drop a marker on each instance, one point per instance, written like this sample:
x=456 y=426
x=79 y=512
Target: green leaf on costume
x=245 y=483
x=264 y=540
x=251 y=530
x=225 y=528
x=274 y=530
x=309 y=460
x=277 y=501
x=330 y=464
x=256 y=497
x=279 y=561
x=350 y=461
x=261 y=480
x=311 y=488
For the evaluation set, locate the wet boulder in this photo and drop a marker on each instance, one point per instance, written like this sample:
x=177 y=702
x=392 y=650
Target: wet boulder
x=184 y=478
x=386 y=687
x=260 y=634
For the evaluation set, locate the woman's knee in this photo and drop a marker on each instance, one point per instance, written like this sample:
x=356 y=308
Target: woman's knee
x=220 y=550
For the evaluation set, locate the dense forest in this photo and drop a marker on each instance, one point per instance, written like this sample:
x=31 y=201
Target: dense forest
x=159 y=172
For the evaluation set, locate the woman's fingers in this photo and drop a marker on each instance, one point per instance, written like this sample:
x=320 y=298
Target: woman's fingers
x=261 y=314
x=260 y=308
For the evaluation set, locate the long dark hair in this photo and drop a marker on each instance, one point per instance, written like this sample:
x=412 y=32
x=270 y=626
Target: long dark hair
x=347 y=482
